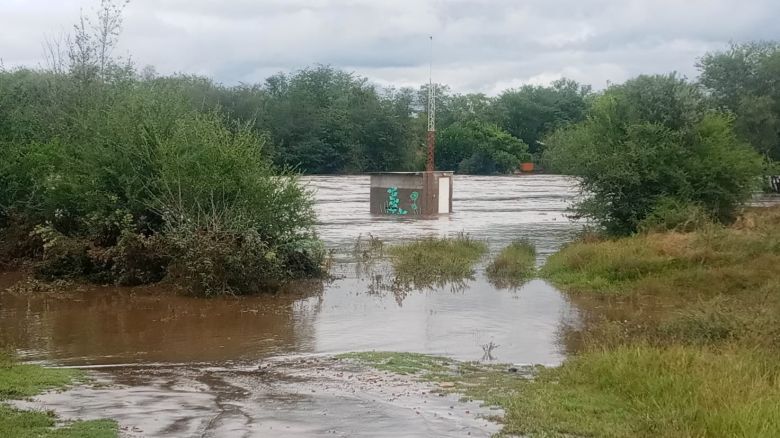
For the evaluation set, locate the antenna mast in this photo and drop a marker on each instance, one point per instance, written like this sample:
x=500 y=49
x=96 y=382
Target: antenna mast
x=429 y=165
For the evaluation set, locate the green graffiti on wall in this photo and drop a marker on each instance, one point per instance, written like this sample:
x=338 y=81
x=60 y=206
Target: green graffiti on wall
x=393 y=201
x=413 y=196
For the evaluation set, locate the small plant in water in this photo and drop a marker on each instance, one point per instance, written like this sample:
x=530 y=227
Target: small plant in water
x=488 y=351
x=367 y=249
x=435 y=261
x=514 y=265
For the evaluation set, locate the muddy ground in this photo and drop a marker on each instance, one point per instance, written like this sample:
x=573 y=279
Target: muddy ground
x=281 y=397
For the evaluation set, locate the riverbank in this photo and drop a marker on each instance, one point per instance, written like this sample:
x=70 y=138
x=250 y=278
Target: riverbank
x=685 y=336
x=679 y=336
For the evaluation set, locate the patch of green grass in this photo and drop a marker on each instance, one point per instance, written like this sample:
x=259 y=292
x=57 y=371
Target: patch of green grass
x=23 y=424
x=20 y=381
x=436 y=260
x=642 y=390
x=681 y=336
x=514 y=265
x=400 y=363
x=630 y=391
x=711 y=286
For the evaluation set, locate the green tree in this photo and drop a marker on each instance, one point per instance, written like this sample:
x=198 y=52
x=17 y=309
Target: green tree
x=648 y=141
x=479 y=148
x=325 y=120
x=745 y=80
x=532 y=112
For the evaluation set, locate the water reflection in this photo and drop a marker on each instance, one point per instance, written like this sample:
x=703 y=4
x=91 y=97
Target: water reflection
x=457 y=324
x=364 y=309
x=106 y=325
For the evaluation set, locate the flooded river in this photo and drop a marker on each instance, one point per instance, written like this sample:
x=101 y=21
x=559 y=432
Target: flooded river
x=151 y=341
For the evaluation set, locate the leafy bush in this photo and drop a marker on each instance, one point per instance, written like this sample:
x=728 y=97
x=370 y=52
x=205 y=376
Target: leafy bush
x=479 y=148
x=670 y=214
x=216 y=262
x=136 y=259
x=651 y=139
x=526 y=157
x=742 y=79
x=113 y=167
x=63 y=256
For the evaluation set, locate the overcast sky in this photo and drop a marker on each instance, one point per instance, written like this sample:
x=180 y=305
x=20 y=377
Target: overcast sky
x=479 y=45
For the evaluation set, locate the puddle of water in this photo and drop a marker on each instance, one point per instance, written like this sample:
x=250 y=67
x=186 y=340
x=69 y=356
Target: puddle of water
x=289 y=398
x=116 y=326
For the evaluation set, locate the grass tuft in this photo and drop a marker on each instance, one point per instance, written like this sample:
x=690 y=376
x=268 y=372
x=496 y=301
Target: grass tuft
x=436 y=260
x=514 y=265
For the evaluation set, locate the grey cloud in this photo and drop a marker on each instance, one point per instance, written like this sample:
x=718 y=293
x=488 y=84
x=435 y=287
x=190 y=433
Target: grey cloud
x=480 y=45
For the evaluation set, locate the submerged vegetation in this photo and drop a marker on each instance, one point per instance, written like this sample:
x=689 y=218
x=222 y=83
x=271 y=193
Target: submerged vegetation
x=436 y=260
x=515 y=264
x=20 y=381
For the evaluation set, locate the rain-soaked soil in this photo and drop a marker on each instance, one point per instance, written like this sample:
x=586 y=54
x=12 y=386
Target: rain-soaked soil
x=171 y=365
x=290 y=397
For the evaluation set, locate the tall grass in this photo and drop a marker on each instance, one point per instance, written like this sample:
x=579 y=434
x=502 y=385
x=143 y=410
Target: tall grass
x=515 y=264
x=436 y=260
x=681 y=336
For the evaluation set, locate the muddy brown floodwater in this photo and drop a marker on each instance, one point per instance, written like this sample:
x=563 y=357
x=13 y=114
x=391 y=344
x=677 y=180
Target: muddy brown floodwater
x=183 y=366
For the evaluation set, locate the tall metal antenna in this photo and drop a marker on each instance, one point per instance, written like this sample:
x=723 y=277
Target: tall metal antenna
x=429 y=165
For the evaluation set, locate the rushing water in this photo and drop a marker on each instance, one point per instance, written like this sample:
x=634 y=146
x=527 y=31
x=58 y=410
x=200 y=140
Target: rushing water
x=107 y=325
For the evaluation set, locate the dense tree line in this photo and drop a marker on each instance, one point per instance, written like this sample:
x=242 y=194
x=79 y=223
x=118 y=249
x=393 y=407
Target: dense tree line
x=322 y=120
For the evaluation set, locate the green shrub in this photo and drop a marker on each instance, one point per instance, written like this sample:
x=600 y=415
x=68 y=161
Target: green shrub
x=670 y=214
x=18 y=241
x=136 y=259
x=63 y=256
x=302 y=258
x=221 y=262
x=649 y=140
x=113 y=168
x=478 y=148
